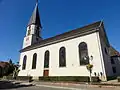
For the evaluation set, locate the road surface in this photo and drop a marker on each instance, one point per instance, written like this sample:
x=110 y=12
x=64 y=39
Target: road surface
x=10 y=85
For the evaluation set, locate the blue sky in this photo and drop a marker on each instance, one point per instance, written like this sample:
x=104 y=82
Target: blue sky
x=57 y=16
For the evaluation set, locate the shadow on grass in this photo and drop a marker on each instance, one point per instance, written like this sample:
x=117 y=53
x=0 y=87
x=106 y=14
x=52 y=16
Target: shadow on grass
x=11 y=85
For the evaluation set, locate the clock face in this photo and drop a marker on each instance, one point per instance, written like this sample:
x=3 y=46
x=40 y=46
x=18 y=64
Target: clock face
x=27 y=39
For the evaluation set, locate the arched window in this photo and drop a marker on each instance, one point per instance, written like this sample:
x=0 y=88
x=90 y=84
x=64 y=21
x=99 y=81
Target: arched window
x=24 y=62
x=46 y=59
x=34 y=61
x=62 y=57
x=83 y=53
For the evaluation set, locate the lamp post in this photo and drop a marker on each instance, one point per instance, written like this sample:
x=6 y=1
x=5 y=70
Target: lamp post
x=89 y=66
x=88 y=58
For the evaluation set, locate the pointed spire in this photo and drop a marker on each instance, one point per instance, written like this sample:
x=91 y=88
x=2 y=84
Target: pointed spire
x=36 y=1
x=35 y=18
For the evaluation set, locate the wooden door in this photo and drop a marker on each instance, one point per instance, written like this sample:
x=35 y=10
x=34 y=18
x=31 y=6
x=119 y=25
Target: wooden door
x=46 y=73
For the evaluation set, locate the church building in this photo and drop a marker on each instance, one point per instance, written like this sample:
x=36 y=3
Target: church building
x=67 y=54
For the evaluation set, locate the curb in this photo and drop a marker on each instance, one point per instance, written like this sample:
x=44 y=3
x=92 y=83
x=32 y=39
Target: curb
x=68 y=84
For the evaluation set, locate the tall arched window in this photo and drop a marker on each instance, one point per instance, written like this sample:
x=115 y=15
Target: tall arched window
x=62 y=57
x=83 y=53
x=46 y=59
x=24 y=62
x=34 y=61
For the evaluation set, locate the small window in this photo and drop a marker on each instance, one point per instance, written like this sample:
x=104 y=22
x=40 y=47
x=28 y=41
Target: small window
x=106 y=51
x=37 y=33
x=29 y=32
x=34 y=61
x=112 y=60
x=114 y=69
x=37 y=39
x=38 y=28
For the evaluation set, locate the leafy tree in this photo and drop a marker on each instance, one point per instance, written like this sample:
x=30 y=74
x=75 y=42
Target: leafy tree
x=16 y=70
x=7 y=68
x=11 y=67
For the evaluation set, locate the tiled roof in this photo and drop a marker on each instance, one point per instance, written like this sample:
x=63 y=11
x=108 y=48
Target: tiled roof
x=4 y=64
x=65 y=36
x=113 y=52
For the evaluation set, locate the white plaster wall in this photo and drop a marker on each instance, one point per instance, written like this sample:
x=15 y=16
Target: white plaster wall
x=73 y=67
x=30 y=39
x=27 y=41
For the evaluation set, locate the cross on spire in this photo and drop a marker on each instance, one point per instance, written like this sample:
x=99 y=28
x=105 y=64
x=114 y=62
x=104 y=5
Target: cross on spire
x=36 y=1
x=35 y=18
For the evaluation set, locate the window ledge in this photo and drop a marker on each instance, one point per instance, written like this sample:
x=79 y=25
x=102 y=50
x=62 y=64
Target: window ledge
x=46 y=68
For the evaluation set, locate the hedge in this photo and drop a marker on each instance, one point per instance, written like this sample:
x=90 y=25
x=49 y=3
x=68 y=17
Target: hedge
x=19 y=78
x=69 y=78
x=118 y=78
x=111 y=78
x=59 y=78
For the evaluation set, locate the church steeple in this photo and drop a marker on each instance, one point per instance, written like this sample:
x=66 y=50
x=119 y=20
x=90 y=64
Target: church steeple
x=33 y=34
x=35 y=18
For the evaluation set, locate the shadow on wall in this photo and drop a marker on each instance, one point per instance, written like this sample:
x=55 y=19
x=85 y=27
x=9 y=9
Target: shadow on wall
x=11 y=85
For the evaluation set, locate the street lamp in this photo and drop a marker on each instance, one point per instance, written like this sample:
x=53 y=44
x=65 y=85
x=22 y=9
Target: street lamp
x=89 y=66
x=88 y=58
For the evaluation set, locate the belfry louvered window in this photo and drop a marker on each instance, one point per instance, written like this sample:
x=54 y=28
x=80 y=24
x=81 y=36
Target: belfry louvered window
x=29 y=32
x=83 y=54
x=62 y=57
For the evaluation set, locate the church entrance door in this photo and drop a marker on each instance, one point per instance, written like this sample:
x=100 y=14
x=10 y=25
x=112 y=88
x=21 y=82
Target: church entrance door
x=46 y=73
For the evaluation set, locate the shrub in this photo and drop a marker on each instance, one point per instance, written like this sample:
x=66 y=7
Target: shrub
x=69 y=78
x=118 y=78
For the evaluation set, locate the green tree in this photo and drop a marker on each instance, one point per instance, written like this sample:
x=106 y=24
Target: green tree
x=10 y=67
x=16 y=70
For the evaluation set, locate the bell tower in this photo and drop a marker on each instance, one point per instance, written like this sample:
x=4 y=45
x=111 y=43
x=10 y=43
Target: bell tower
x=33 y=34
